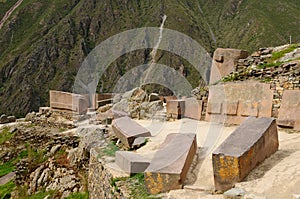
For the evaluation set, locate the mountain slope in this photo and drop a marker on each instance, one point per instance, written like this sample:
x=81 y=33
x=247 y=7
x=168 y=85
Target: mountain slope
x=43 y=43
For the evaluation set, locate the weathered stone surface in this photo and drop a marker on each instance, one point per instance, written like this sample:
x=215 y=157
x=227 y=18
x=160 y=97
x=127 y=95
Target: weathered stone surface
x=153 y=97
x=175 y=108
x=232 y=103
x=127 y=130
x=11 y=118
x=289 y=112
x=131 y=162
x=170 y=164
x=234 y=193
x=193 y=108
x=224 y=62
x=68 y=102
x=3 y=119
x=250 y=144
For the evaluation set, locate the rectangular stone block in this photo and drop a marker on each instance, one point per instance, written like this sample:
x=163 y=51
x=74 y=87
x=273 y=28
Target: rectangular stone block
x=68 y=102
x=250 y=144
x=175 y=108
x=225 y=62
x=170 y=164
x=131 y=162
x=127 y=130
x=193 y=108
x=239 y=101
x=230 y=108
x=214 y=108
x=289 y=112
x=249 y=109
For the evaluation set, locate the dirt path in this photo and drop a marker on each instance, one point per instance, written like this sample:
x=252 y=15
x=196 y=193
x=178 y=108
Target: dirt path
x=9 y=12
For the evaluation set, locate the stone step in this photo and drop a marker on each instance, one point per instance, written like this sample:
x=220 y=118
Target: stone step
x=131 y=162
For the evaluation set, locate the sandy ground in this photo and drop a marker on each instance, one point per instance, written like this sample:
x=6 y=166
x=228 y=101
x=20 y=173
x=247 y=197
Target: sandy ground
x=277 y=177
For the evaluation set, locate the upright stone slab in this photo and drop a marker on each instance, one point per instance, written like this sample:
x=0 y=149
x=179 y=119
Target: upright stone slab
x=175 y=108
x=193 y=108
x=127 y=130
x=289 y=112
x=68 y=102
x=169 y=166
x=131 y=162
x=224 y=62
x=250 y=144
x=232 y=103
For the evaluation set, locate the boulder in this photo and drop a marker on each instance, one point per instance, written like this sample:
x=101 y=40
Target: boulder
x=3 y=119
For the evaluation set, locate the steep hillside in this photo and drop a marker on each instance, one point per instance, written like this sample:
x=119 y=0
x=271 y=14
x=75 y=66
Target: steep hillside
x=43 y=43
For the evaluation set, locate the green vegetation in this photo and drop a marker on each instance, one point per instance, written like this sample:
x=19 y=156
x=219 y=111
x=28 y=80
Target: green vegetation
x=6 y=189
x=280 y=54
x=5 y=135
x=9 y=166
x=6 y=168
x=110 y=149
x=269 y=65
x=136 y=186
x=78 y=196
x=5 y=5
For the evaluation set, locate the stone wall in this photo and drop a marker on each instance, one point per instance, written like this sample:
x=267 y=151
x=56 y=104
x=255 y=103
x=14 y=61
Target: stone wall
x=68 y=102
x=101 y=179
x=232 y=103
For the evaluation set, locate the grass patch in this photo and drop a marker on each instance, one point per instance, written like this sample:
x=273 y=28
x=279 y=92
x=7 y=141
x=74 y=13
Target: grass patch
x=5 y=135
x=269 y=65
x=110 y=150
x=6 y=168
x=9 y=166
x=280 y=54
x=136 y=186
x=78 y=196
x=36 y=156
x=6 y=189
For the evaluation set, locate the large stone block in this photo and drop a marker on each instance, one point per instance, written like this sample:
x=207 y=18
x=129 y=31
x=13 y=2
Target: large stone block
x=170 y=164
x=289 y=112
x=131 y=162
x=224 y=62
x=175 y=108
x=193 y=108
x=232 y=103
x=127 y=130
x=68 y=102
x=250 y=144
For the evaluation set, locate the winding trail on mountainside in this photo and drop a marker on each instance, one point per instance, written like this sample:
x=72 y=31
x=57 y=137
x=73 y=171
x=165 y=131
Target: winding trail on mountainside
x=9 y=12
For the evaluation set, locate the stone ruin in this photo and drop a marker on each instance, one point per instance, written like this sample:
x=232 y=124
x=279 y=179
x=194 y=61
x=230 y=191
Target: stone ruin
x=232 y=103
x=229 y=103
